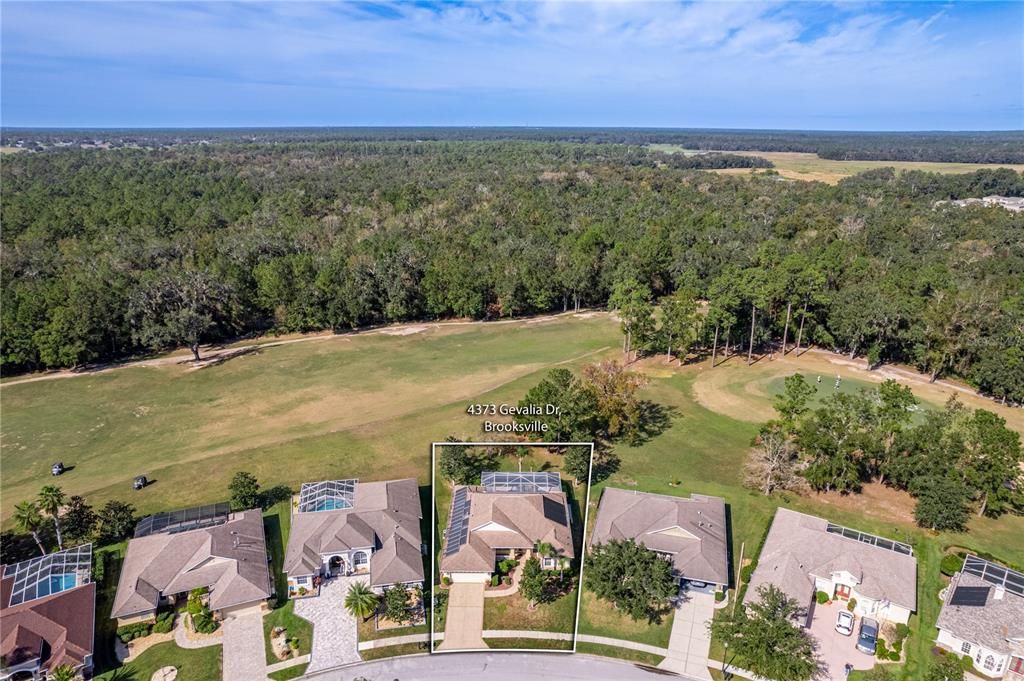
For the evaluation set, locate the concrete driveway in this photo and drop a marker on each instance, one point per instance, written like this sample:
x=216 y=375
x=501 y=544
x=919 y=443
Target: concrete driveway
x=690 y=640
x=834 y=649
x=463 y=629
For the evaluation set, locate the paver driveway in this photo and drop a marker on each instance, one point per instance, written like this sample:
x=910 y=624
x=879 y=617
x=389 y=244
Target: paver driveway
x=334 y=629
x=244 y=650
x=835 y=650
x=465 y=620
x=690 y=640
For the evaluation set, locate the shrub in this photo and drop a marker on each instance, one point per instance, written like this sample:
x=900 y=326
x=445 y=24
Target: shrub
x=747 y=571
x=164 y=623
x=495 y=580
x=951 y=564
x=902 y=631
x=99 y=568
x=719 y=596
x=446 y=580
x=851 y=605
x=204 y=623
x=130 y=632
x=897 y=650
x=881 y=652
x=822 y=598
x=966 y=663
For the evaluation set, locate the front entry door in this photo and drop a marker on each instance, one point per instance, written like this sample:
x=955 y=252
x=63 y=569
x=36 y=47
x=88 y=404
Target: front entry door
x=843 y=592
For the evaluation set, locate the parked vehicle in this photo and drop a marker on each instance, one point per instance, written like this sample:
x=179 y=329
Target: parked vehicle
x=867 y=639
x=139 y=482
x=57 y=468
x=844 y=622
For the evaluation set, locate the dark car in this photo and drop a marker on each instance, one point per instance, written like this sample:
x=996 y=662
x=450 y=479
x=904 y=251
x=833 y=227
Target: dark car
x=139 y=482
x=867 y=639
x=57 y=468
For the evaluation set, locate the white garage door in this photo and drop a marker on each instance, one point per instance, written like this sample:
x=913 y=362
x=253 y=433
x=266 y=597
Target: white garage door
x=470 y=576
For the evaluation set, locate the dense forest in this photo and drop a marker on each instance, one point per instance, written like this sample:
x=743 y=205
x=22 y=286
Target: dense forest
x=107 y=253
x=962 y=147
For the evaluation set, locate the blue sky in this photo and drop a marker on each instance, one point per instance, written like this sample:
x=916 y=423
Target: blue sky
x=803 y=65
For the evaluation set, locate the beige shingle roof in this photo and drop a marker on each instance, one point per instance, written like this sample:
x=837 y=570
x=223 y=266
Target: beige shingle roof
x=991 y=625
x=230 y=558
x=798 y=548
x=503 y=520
x=691 y=529
x=385 y=516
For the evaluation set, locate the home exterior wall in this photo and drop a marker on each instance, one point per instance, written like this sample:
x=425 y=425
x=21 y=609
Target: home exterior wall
x=381 y=588
x=979 y=654
x=135 y=619
x=866 y=606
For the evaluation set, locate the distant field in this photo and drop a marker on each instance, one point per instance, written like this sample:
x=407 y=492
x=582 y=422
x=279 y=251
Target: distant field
x=799 y=166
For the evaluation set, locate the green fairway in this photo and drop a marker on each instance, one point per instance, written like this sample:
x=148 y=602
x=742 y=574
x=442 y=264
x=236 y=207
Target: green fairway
x=347 y=406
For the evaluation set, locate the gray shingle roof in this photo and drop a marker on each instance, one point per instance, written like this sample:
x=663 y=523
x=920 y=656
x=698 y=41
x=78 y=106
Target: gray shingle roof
x=990 y=625
x=798 y=548
x=385 y=515
x=230 y=558
x=691 y=529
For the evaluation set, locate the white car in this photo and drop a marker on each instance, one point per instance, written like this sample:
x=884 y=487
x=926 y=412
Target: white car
x=844 y=622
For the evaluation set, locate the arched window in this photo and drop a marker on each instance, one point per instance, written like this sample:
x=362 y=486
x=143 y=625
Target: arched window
x=990 y=663
x=360 y=560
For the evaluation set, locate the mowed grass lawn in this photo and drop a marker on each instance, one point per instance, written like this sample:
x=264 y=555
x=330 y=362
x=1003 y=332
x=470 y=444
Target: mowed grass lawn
x=200 y=664
x=345 y=406
x=513 y=613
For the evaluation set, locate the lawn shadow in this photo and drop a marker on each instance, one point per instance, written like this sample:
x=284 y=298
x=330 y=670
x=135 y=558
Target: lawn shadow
x=655 y=419
x=606 y=463
x=275 y=546
x=274 y=495
x=126 y=673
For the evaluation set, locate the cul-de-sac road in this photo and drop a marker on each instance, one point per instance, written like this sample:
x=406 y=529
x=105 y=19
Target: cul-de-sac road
x=495 y=666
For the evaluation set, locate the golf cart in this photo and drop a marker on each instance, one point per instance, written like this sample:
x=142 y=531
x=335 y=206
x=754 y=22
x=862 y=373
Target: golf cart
x=139 y=482
x=57 y=468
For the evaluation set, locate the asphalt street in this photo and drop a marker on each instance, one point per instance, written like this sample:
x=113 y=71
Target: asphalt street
x=495 y=666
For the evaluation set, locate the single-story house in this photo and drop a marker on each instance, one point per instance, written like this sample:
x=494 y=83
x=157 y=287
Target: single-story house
x=804 y=554
x=205 y=547
x=343 y=527
x=47 y=614
x=506 y=517
x=982 y=617
x=689 y=532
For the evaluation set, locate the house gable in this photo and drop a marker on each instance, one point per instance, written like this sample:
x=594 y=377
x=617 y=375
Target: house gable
x=492 y=527
x=675 y=531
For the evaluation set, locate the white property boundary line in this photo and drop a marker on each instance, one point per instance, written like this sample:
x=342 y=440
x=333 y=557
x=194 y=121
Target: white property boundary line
x=433 y=538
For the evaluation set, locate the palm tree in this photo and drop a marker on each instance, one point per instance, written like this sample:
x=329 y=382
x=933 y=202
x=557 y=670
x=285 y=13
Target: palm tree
x=51 y=498
x=27 y=518
x=65 y=672
x=360 y=601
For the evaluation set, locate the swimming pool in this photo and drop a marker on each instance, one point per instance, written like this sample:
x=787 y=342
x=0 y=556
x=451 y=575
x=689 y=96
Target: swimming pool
x=55 y=585
x=332 y=505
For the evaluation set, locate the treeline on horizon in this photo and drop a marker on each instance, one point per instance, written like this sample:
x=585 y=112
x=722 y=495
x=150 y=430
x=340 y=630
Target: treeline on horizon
x=950 y=147
x=107 y=254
